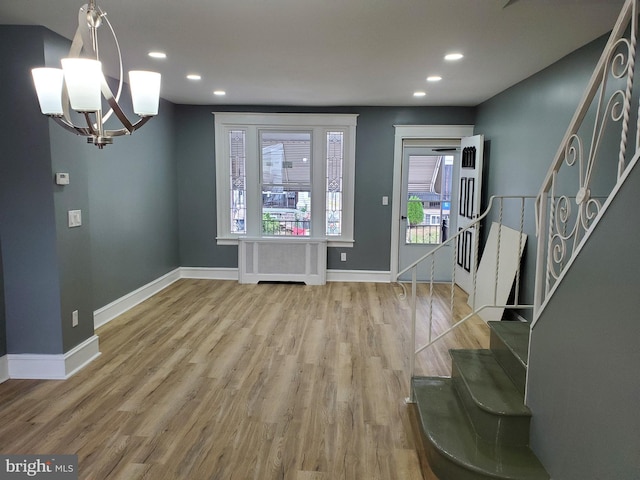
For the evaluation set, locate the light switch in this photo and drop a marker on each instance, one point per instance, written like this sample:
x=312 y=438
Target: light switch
x=385 y=200
x=75 y=218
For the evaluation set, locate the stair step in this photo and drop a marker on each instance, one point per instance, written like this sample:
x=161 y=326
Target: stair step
x=493 y=403
x=454 y=450
x=509 y=342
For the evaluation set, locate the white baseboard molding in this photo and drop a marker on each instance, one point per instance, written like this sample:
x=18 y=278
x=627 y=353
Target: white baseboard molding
x=53 y=367
x=4 y=369
x=370 y=276
x=209 y=273
x=107 y=313
x=118 y=307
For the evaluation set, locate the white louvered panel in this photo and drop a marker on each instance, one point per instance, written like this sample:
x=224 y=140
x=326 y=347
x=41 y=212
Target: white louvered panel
x=282 y=260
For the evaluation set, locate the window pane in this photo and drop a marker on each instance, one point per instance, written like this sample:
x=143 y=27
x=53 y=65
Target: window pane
x=335 y=158
x=429 y=198
x=286 y=182
x=237 y=159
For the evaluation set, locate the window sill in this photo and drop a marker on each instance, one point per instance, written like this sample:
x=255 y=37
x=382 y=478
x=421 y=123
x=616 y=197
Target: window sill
x=332 y=243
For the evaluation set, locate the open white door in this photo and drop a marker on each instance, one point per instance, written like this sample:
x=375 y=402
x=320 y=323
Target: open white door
x=469 y=197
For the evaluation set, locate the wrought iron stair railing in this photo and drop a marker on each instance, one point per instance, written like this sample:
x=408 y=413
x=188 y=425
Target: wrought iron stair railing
x=585 y=175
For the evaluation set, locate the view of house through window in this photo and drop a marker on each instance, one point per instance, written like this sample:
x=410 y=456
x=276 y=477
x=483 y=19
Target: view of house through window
x=285 y=175
x=429 y=198
x=286 y=182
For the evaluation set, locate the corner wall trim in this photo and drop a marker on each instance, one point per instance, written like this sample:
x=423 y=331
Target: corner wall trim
x=117 y=307
x=4 y=368
x=53 y=367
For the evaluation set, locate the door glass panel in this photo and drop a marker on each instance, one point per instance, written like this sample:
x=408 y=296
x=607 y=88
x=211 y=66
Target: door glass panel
x=428 y=198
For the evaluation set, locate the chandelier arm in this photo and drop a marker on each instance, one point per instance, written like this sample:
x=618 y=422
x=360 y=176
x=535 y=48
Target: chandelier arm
x=91 y=128
x=124 y=131
x=120 y=68
x=77 y=42
x=71 y=127
x=115 y=107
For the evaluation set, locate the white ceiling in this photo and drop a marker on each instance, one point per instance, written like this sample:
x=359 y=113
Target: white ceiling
x=335 y=52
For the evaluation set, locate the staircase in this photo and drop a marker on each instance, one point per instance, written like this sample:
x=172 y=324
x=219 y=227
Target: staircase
x=475 y=425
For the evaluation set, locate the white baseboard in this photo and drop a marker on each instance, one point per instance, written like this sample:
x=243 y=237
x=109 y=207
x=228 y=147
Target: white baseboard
x=118 y=307
x=53 y=367
x=4 y=369
x=372 y=276
x=209 y=273
x=121 y=305
x=80 y=356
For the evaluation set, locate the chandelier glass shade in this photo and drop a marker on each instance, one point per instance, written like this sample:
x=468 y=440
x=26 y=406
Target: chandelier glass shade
x=80 y=85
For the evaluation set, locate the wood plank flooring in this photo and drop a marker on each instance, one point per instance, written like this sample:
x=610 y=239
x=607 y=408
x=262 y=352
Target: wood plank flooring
x=216 y=380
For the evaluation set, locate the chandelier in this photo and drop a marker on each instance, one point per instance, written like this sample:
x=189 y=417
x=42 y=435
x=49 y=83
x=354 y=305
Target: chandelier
x=81 y=84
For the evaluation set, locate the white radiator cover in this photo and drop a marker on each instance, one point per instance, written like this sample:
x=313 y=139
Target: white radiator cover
x=282 y=260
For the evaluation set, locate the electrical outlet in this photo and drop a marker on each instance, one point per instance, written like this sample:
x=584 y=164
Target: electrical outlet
x=343 y=257
x=74 y=318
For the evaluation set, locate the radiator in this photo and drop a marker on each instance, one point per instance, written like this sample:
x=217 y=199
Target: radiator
x=282 y=260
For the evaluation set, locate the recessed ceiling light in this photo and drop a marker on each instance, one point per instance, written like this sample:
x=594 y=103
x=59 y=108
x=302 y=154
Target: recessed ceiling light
x=419 y=94
x=157 y=55
x=453 y=56
x=219 y=93
x=194 y=76
x=434 y=78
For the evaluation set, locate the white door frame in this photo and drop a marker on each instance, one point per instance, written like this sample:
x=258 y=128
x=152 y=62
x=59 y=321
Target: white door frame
x=404 y=132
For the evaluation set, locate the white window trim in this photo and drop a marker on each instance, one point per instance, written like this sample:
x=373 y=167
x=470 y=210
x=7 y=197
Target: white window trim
x=319 y=124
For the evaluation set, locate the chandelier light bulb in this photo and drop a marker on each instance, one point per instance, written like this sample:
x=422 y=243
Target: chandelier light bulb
x=83 y=77
x=145 y=92
x=48 y=83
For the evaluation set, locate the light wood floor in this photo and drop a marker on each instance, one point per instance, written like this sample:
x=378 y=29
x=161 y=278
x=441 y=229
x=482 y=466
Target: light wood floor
x=215 y=380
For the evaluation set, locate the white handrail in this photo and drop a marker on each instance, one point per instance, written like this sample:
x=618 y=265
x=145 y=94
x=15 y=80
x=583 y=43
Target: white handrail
x=460 y=232
x=432 y=255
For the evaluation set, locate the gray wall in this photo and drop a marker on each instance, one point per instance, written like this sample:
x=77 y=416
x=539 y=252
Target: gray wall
x=27 y=210
x=133 y=205
x=127 y=194
x=3 y=323
x=373 y=179
x=523 y=127
x=73 y=245
x=584 y=385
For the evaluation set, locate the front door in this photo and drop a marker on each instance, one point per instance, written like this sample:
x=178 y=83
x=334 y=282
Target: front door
x=428 y=170
x=468 y=208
